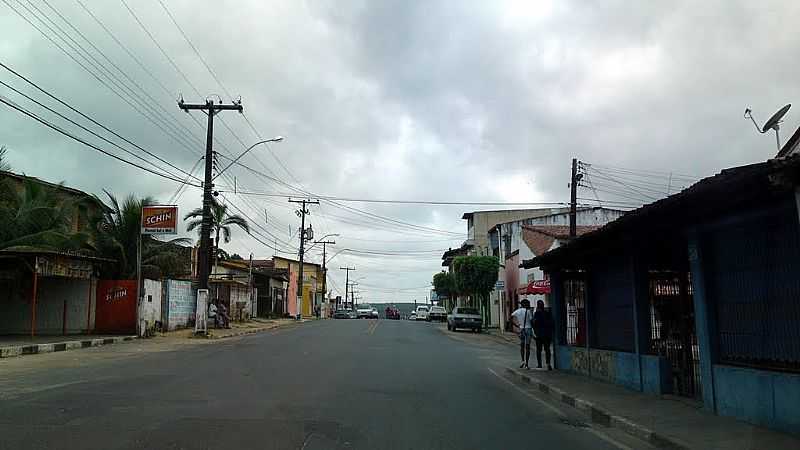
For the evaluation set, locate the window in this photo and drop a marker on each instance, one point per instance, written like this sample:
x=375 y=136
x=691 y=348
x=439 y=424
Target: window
x=574 y=323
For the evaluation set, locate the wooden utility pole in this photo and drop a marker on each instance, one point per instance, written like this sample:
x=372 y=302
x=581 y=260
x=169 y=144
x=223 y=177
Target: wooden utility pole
x=573 y=200
x=324 y=269
x=303 y=235
x=204 y=252
x=346 y=282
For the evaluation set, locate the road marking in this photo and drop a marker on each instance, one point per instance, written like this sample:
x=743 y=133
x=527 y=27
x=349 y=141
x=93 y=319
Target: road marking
x=560 y=413
x=372 y=327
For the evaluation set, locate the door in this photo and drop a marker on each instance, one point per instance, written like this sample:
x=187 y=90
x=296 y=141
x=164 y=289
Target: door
x=672 y=329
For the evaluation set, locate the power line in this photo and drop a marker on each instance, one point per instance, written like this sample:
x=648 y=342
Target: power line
x=196 y=52
x=66 y=133
x=163 y=52
x=189 y=175
x=409 y=202
x=89 y=71
x=164 y=113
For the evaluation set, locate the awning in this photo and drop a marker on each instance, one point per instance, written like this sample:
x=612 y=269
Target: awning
x=535 y=287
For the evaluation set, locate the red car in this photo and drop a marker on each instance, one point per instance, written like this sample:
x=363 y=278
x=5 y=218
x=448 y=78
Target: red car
x=392 y=313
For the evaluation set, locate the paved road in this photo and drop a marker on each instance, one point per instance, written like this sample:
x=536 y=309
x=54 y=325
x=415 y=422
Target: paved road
x=344 y=384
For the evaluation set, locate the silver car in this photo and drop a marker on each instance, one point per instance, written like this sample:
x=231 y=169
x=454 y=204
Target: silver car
x=465 y=317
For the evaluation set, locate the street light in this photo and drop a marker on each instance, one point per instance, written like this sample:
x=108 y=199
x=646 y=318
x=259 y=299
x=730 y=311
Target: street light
x=275 y=139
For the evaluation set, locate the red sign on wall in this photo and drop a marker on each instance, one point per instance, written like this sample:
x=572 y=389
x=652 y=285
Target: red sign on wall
x=116 y=307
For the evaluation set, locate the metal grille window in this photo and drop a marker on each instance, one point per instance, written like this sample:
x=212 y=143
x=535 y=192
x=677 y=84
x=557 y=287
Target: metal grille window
x=752 y=275
x=574 y=322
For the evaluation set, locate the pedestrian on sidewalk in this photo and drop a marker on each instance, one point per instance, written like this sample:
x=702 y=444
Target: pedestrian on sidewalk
x=522 y=320
x=543 y=333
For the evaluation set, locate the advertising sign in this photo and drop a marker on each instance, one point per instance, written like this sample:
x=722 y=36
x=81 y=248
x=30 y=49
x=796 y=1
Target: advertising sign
x=160 y=219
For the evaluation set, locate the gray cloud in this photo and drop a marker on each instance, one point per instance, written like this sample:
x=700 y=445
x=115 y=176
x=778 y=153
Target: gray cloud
x=423 y=100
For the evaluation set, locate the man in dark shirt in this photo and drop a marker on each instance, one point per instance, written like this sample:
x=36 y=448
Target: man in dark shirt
x=543 y=333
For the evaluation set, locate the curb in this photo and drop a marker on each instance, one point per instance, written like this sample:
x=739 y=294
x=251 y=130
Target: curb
x=242 y=333
x=36 y=349
x=600 y=416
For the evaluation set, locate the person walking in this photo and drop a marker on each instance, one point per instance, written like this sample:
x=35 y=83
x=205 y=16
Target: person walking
x=543 y=333
x=522 y=320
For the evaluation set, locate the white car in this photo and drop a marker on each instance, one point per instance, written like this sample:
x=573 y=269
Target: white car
x=422 y=313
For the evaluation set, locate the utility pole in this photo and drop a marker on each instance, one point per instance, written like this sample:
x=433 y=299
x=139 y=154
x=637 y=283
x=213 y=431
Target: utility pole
x=353 y=294
x=204 y=252
x=324 y=269
x=346 y=282
x=573 y=199
x=302 y=213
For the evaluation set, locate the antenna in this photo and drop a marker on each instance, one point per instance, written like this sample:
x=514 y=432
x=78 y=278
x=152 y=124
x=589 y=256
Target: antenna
x=773 y=123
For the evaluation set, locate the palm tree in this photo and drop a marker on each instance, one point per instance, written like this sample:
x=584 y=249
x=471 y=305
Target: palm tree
x=221 y=223
x=4 y=165
x=117 y=238
x=36 y=216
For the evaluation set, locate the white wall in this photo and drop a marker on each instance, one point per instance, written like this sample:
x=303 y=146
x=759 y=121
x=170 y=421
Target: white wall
x=150 y=309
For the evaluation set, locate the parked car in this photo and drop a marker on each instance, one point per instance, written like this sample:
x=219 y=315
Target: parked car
x=392 y=313
x=422 y=313
x=412 y=316
x=341 y=314
x=364 y=312
x=374 y=314
x=437 y=313
x=463 y=317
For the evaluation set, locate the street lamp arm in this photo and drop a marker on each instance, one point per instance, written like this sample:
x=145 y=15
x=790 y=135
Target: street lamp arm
x=275 y=139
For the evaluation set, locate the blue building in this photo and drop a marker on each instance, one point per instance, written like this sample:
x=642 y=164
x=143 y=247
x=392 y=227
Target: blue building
x=697 y=294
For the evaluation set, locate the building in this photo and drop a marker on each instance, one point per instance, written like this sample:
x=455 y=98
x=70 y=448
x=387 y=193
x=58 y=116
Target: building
x=480 y=222
x=45 y=291
x=694 y=295
x=85 y=207
x=271 y=285
x=231 y=283
x=312 y=285
x=518 y=240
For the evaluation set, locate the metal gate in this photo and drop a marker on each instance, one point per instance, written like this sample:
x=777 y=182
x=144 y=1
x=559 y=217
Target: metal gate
x=672 y=329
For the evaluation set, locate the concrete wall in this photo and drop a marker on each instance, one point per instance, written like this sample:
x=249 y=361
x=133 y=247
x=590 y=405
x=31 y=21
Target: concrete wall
x=240 y=294
x=180 y=304
x=770 y=399
x=617 y=367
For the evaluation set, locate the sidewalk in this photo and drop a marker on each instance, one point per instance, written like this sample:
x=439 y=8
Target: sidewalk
x=256 y=325
x=665 y=421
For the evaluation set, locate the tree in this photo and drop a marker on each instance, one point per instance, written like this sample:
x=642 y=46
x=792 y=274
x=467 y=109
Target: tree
x=221 y=223
x=36 y=216
x=476 y=275
x=4 y=165
x=117 y=235
x=444 y=284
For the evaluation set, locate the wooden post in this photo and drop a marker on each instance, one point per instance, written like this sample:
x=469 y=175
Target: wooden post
x=89 y=309
x=33 y=303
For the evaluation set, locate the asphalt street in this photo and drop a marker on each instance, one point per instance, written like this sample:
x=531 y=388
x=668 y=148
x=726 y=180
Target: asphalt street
x=332 y=384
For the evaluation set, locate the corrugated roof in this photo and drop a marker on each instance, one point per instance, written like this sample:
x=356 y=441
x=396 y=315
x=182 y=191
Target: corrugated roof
x=709 y=196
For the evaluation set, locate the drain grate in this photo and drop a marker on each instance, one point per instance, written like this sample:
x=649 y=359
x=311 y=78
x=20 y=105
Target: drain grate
x=574 y=422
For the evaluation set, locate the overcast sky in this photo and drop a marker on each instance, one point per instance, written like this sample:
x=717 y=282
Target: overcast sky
x=402 y=100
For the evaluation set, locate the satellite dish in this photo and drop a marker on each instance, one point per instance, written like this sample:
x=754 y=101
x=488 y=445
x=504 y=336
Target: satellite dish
x=773 y=121
x=772 y=124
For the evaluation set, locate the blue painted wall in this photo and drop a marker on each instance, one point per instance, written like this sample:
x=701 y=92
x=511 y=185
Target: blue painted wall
x=770 y=399
x=620 y=368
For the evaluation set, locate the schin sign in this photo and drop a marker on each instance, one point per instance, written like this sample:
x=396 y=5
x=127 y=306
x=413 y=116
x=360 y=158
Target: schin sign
x=160 y=219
